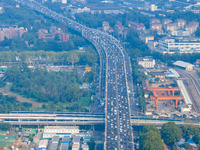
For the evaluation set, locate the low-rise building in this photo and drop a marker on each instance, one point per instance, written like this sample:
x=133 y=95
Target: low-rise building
x=184 y=65
x=171 y=46
x=43 y=144
x=61 y=131
x=180 y=33
x=156 y=26
x=136 y=26
x=146 y=38
x=155 y=21
x=146 y=62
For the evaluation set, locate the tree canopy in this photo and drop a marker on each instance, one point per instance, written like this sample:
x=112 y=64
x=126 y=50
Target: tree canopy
x=151 y=140
x=170 y=133
x=189 y=130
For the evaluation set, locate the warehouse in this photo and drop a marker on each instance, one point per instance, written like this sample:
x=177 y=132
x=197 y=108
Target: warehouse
x=184 y=65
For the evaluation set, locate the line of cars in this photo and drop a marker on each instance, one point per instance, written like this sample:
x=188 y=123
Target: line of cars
x=115 y=79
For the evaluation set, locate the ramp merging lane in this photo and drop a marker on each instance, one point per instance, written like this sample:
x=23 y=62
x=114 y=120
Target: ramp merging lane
x=115 y=79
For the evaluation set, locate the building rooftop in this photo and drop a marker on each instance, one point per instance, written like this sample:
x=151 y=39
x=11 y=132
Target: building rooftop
x=61 y=127
x=182 y=64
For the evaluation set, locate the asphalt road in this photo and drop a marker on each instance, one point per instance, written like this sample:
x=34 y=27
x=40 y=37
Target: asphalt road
x=115 y=84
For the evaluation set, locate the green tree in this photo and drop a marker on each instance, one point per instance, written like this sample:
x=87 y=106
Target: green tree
x=151 y=140
x=91 y=145
x=29 y=37
x=5 y=126
x=196 y=137
x=142 y=103
x=72 y=58
x=170 y=133
x=150 y=128
x=157 y=79
x=189 y=130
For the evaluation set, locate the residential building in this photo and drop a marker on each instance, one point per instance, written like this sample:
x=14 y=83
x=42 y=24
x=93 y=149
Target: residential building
x=61 y=131
x=82 y=9
x=146 y=38
x=197 y=63
x=180 y=33
x=11 y=32
x=146 y=62
x=187 y=45
x=181 y=23
x=171 y=27
x=64 y=1
x=166 y=21
x=64 y=37
x=153 y=7
x=42 y=33
x=119 y=30
x=155 y=21
x=105 y=26
x=136 y=26
x=192 y=26
x=156 y=26
x=2 y=36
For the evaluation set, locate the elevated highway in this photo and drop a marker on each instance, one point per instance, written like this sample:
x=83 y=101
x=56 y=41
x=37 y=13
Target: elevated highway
x=115 y=79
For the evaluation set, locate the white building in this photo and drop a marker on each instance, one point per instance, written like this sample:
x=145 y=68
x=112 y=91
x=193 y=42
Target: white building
x=64 y=1
x=61 y=131
x=76 y=147
x=180 y=33
x=85 y=147
x=179 y=46
x=184 y=65
x=153 y=7
x=146 y=62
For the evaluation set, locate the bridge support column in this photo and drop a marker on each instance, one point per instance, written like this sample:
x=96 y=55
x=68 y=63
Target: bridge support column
x=156 y=103
x=176 y=103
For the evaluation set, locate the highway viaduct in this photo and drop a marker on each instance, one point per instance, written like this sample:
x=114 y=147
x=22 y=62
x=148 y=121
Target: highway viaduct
x=85 y=119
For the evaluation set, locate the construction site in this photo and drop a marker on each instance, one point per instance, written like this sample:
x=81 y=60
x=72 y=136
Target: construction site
x=174 y=97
